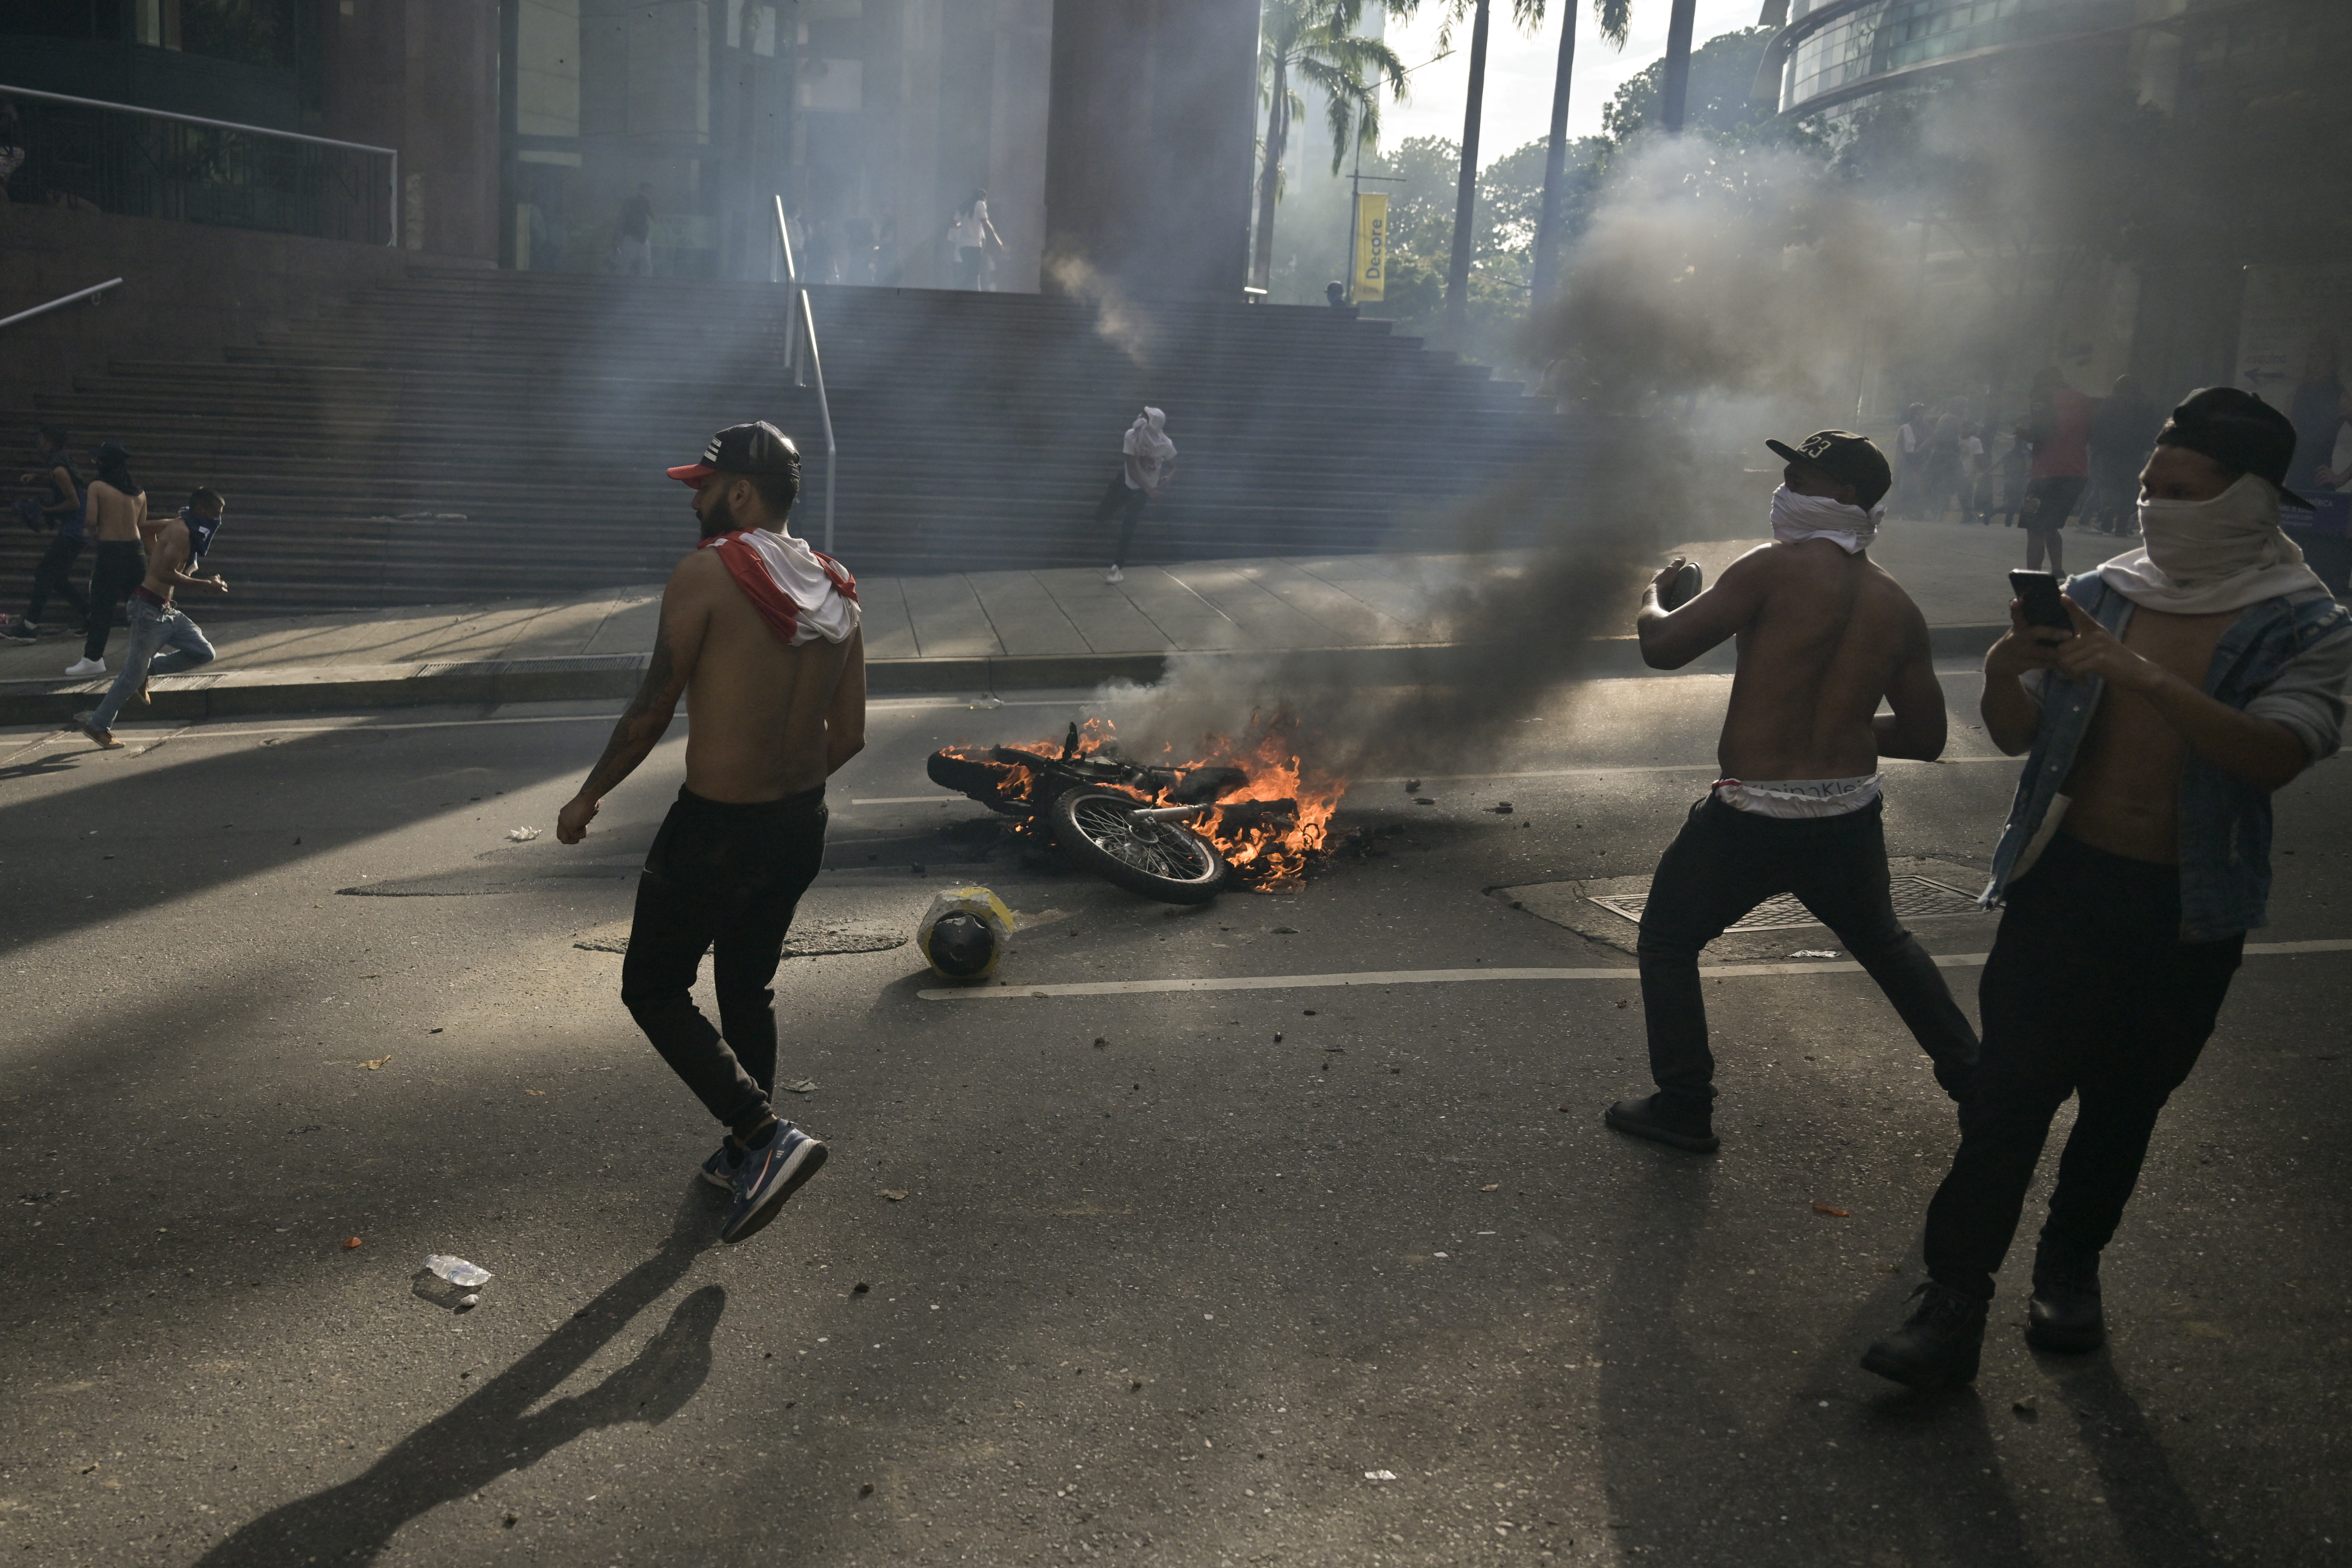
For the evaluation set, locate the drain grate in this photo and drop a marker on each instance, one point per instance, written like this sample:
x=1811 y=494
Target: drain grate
x=1915 y=898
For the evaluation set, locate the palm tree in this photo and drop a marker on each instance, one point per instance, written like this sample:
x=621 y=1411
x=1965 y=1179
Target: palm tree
x=1527 y=14
x=1315 y=41
x=1616 y=19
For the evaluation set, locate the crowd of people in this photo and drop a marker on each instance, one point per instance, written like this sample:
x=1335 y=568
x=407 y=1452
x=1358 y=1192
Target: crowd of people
x=2070 y=455
x=139 y=564
x=2159 y=702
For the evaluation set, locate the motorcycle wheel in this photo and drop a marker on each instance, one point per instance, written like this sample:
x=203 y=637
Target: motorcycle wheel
x=1165 y=861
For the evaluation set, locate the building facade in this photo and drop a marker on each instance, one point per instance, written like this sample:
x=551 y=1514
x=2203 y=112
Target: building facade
x=1113 y=133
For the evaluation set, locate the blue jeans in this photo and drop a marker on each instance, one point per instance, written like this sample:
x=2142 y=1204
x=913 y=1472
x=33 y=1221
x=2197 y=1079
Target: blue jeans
x=152 y=630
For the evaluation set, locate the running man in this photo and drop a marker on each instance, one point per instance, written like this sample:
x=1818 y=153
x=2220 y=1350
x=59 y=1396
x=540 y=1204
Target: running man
x=760 y=634
x=1824 y=634
x=117 y=520
x=155 y=621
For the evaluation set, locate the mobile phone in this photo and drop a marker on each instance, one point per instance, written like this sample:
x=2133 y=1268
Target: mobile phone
x=2045 y=606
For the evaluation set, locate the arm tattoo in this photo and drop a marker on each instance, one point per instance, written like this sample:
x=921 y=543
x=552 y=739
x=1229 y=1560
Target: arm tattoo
x=633 y=737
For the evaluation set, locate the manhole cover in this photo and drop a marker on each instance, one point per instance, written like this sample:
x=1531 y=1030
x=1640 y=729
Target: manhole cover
x=1915 y=898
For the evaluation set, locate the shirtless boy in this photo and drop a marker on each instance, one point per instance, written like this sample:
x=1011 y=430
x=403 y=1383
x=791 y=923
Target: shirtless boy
x=116 y=519
x=2205 y=671
x=759 y=633
x=155 y=621
x=1824 y=635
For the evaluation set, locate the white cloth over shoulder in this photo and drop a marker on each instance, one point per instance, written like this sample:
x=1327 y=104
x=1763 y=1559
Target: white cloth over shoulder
x=801 y=594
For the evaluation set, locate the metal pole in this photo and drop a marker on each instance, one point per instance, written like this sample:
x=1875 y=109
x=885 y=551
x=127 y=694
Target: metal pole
x=394 y=238
x=93 y=289
x=825 y=412
x=792 y=298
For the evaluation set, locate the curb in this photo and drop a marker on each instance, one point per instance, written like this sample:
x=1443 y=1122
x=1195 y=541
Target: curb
x=278 y=689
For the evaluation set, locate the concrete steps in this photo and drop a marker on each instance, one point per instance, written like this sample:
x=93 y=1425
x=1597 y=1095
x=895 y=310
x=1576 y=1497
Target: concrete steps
x=452 y=434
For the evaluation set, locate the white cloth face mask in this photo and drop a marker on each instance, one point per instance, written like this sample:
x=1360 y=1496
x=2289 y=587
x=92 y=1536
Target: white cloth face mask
x=2198 y=542
x=1797 y=516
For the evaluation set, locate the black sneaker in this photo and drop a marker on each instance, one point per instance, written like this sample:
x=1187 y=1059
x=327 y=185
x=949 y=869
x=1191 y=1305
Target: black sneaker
x=1937 y=1344
x=21 y=631
x=2065 y=1315
x=1662 y=1121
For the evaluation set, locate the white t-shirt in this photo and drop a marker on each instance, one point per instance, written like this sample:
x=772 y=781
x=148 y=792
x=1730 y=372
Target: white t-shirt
x=971 y=230
x=1151 y=450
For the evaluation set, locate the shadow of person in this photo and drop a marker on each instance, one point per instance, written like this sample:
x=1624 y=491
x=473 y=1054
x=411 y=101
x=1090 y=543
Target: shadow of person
x=487 y=1433
x=2152 y=1510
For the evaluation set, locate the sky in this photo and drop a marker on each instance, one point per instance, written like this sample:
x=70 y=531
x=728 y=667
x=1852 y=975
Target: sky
x=1521 y=68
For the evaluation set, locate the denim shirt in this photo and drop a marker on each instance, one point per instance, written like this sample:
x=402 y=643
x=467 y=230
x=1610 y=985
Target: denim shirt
x=2225 y=822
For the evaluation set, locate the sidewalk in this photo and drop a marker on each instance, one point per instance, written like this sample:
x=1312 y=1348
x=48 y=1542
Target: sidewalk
x=974 y=633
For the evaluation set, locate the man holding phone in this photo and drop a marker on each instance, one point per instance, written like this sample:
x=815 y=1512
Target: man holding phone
x=1824 y=635
x=2195 y=676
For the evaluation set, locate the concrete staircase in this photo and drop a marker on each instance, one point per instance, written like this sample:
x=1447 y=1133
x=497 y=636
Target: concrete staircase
x=465 y=434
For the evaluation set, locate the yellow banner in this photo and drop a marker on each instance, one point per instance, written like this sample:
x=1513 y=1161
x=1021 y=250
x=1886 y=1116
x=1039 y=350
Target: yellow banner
x=1371 y=247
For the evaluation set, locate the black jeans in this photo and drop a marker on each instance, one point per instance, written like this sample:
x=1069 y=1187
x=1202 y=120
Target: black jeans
x=1724 y=863
x=723 y=879
x=118 y=569
x=2089 y=991
x=1125 y=502
x=55 y=575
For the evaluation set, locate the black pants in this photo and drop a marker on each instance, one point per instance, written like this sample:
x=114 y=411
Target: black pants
x=55 y=575
x=2051 y=500
x=1124 y=502
x=1724 y=863
x=723 y=879
x=2089 y=991
x=118 y=569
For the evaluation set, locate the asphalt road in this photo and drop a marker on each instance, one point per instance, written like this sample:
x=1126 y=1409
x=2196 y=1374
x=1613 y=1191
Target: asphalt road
x=1150 y=1278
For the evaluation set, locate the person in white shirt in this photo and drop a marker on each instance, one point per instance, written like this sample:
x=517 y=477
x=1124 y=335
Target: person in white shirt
x=972 y=237
x=1147 y=466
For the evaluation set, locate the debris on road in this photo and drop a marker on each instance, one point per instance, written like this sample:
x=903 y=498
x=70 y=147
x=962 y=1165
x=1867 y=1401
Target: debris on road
x=894 y=1193
x=378 y=1063
x=1833 y=1213
x=1379 y=1475
x=1815 y=953
x=1492 y=1186
x=349 y=1242
x=1102 y=1040
x=456 y=1270
x=1500 y=808
x=963 y=934
x=2028 y=1408
x=522 y=835
x=1412 y=785
x=805 y=1086
x=1423 y=801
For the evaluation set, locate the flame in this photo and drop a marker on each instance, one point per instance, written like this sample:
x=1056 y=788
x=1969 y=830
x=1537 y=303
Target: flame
x=1269 y=829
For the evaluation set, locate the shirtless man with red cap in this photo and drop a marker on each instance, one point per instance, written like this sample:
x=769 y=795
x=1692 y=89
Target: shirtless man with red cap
x=760 y=634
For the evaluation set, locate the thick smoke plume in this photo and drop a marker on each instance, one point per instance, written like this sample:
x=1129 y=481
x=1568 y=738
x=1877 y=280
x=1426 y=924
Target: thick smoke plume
x=1710 y=304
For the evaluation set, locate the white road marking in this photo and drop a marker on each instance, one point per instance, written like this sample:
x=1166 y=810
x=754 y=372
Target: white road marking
x=900 y=800
x=1449 y=977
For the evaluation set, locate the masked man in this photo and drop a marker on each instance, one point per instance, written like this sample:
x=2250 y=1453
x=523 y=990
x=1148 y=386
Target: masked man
x=1824 y=635
x=2204 y=671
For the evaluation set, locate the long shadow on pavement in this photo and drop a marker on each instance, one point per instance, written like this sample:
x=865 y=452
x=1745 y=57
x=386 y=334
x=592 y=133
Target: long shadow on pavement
x=2152 y=1510
x=487 y=1434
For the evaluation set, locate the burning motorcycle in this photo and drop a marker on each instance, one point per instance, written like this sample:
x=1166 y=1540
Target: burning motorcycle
x=1181 y=834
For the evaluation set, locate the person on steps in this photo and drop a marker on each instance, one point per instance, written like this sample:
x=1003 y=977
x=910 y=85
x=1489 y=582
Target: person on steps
x=760 y=634
x=117 y=520
x=1824 y=634
x=2204 y=671
x=156 y=622
x=1147 y=467
x=62 y=509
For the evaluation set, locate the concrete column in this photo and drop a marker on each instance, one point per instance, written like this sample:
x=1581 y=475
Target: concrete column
x=1149 y=145
x=422 y=76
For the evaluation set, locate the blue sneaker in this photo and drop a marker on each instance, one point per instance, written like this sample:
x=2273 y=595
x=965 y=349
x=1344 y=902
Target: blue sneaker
x=767 y=1177
x=720 y=1169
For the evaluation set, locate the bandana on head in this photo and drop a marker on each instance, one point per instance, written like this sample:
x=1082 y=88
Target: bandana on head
x=2201 y=558
x=1851 y=529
